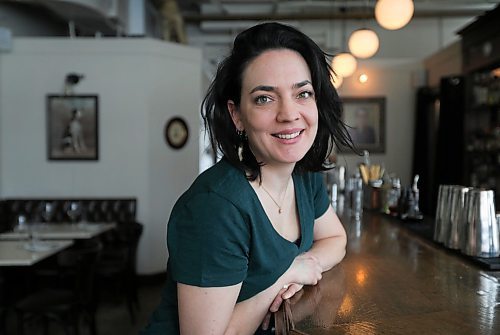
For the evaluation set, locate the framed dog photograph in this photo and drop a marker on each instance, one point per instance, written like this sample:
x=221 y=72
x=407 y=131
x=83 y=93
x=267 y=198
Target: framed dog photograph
x=72 y=127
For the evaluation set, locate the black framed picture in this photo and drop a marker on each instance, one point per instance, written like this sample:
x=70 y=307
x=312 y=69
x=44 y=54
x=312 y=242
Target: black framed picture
x=365 y=118
x=72 y=127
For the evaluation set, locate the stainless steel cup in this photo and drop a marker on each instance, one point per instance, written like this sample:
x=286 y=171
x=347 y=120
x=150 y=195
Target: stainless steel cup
x=482 y=232
x=442 y=222
x=437 y=221
x=457 y=201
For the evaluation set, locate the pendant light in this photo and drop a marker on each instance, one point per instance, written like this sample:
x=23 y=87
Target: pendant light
x=363 y=43
x=344 y=64
x=394 y=14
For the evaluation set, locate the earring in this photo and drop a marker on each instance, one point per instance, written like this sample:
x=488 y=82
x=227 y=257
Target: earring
x=243 y=136
x=240 y=152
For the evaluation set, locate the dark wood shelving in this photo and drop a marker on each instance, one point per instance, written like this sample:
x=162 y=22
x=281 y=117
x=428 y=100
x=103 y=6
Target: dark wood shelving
x=485 y=108
x=482 y=104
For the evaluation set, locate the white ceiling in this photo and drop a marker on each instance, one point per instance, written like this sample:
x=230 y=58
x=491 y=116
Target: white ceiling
x=230 y=10
x=212 y=24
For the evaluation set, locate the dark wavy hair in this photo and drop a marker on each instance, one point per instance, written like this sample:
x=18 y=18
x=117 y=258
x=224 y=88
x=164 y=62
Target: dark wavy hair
x=227 y=86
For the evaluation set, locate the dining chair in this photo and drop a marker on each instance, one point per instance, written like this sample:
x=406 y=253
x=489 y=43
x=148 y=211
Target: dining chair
x=66 y=306
x=116 y=269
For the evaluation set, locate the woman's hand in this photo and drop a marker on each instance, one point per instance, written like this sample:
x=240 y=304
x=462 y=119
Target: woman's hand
x=286 y=293
x=293 y=291
x=305 y=270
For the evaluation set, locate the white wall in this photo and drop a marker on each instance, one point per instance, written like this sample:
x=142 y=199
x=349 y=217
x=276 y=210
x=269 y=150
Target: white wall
x=141 y=83
x=392 y=79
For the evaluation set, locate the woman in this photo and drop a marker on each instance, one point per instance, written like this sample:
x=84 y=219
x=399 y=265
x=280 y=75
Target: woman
x=257 y=226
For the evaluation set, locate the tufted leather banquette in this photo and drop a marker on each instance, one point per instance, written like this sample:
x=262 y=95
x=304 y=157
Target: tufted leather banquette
x=91 y=210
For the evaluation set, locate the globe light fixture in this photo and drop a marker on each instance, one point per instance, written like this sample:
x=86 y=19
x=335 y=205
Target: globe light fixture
x=394 y=14
x=363 y=43
x=344 y=64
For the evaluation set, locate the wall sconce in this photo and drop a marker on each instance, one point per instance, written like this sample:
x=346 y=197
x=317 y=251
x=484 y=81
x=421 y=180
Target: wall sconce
x=71 y=80
x=363 y=78
x=363 y=43
x=394 y=14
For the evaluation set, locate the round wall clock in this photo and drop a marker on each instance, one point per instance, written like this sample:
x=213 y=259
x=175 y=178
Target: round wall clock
x=176 y=132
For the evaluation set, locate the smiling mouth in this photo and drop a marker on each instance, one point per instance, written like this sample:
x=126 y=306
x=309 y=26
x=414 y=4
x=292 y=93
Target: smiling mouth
x=289 y=136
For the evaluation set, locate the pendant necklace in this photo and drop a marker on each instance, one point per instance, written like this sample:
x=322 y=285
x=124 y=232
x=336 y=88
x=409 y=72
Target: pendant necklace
x=280 y=210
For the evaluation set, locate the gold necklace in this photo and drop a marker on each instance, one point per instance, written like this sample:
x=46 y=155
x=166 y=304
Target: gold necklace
x=280 y=210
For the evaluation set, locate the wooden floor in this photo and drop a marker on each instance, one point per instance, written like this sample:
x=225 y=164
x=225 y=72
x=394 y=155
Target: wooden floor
x=393 y=282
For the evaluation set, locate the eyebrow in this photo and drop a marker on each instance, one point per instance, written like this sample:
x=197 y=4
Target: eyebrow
x=267 y=88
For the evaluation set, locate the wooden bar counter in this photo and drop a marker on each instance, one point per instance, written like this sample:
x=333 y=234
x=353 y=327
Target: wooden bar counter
x=394 y=282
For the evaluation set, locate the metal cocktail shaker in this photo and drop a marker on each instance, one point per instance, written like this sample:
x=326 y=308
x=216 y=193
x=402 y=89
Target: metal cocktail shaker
x=455 y=233
x=481 y=227
x=443 y=210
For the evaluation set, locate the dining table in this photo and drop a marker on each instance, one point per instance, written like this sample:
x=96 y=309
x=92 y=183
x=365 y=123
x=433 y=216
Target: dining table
x=27 y=253
x=58 y=231
x=393 y=281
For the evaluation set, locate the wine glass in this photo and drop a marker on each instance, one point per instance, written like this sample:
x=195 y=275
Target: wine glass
x=47 y=210
x=73 y=209
x=34 y=230
x=21 y=224
x=30 y=228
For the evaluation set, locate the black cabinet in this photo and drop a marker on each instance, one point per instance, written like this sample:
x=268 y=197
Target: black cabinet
x=481 y=67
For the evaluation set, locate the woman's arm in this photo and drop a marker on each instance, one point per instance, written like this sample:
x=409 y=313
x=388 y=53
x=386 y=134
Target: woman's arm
x=328 y=248
x=205 y=310
x=329 y=240
x=214 y=310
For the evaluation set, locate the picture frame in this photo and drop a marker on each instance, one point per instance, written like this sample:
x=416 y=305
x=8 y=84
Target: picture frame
x=365 y=120
x=72 y=127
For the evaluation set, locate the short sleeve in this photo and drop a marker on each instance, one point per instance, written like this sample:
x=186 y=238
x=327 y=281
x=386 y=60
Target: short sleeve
x=208 y=242
x=321 y=199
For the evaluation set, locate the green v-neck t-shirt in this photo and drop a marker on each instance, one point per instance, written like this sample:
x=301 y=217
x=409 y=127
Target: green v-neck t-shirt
x=219 y=235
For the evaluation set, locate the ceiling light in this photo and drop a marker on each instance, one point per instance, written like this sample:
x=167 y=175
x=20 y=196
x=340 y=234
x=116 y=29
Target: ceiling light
x=394 y=14
x=363 y=43
x=344 y=64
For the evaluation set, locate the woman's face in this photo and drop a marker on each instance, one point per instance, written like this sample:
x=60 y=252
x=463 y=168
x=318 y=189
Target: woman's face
x=278 y=107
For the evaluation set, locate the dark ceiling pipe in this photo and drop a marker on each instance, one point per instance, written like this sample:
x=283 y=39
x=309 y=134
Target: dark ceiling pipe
x=194 y=17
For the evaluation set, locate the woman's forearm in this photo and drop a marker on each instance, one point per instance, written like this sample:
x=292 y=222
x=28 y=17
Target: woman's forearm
x=329 y=251
x=329 y=240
